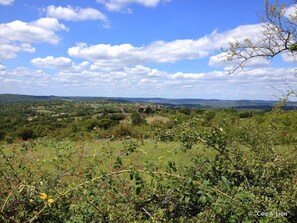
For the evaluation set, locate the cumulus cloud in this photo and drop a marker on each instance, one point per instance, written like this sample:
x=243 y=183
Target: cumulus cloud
x=258 y=77
x=118 y=5
x=9 y=51
x=52 y=62
x=182 y=75
x=74 y=14
x=18 y=36
x=141 y=80
x=126 y=54
x=6 y=2
x=50 y=24
x=23 y=80
x=41 y=30
x=24 y=72
x=250 y=83
x=143 y=70
x=106 y=56
x=60 y=63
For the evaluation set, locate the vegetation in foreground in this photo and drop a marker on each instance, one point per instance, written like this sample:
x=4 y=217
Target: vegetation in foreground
x=117 y=162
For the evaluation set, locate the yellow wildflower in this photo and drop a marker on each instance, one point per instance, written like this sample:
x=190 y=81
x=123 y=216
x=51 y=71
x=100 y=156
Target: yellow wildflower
x=128 y=162
x=43 y=196
x=50 y=201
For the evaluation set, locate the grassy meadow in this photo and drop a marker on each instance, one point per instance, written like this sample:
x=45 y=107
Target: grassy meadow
x=65 y=161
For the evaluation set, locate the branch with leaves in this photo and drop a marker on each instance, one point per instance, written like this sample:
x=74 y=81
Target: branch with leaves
x=278 y=35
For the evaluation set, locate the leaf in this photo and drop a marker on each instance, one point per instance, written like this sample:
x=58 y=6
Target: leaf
x=118 y=163
x=172 y=166
x=189 y=180
x=293 y=47
x=218 y=210
x=225 y=181
x=202 y=199
x=264 y=220
x=205 y=182
x=187 y=199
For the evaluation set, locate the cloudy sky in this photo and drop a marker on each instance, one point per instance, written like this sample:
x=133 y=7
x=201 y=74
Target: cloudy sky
x=135 y=48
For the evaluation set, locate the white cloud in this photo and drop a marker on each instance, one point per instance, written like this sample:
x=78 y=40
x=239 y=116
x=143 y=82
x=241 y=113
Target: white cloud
x=182 y=75
x=142 y=70
x=220 y=60
x=17 y=36
x=51 y=24
x=24 y=72
x=249 y=76
x=74 y=14
x=139 y=81
x=222 y=40
x=2 y=68
x=6 y=2
x=291 y=13
x=9 y=51
x=22 y=80
x=41 y=30
x=106 y=56
x=290 y=57
x=118 y=5
x=60 y=63
x=126 y=54
x=52 y=62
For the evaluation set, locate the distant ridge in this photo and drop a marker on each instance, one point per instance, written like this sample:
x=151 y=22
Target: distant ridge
x=196 y=103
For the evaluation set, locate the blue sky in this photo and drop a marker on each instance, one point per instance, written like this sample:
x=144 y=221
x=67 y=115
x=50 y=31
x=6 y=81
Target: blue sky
x=134 y=48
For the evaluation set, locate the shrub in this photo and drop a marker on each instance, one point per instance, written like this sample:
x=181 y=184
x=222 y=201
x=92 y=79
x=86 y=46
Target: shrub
x=137 y=119
x=117 y=117
x=2 y=135
x=25 y=133
x=90 y=124
x=125 y=130
x=106 y=123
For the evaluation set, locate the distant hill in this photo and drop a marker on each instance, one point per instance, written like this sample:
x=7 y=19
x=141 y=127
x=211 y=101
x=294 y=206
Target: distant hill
x=196 y=103
x=213 y=103
x=18 y=98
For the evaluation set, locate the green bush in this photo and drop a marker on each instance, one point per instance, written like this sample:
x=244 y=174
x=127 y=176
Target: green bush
x=106 y=123
x=25 y=133
x=90 y=124
x=137 y=119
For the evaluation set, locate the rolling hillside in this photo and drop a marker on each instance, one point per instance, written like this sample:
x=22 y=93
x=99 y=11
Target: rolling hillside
x=197 y=103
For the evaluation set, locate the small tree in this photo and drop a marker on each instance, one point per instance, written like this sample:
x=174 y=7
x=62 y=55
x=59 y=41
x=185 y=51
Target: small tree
x=279 y=35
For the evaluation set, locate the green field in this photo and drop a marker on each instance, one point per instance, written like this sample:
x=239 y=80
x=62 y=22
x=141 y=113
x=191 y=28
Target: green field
x=67 y=161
